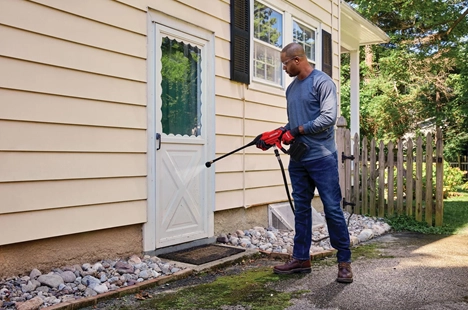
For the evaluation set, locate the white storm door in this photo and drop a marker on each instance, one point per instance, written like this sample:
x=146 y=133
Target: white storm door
x=182 y=127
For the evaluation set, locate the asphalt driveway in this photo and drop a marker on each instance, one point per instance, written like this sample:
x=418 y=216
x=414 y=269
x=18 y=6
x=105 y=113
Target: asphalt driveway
x=418 y=272
x=405 y=271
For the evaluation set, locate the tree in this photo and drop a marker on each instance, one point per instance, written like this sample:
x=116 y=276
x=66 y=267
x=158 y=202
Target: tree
x=419 y=74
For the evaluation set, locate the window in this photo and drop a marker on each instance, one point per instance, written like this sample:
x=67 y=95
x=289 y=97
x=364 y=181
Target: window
x=306 y=37
x=255 y=49
x=268 y=42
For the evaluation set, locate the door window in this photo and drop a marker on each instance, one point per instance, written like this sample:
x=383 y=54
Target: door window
x=181 y=91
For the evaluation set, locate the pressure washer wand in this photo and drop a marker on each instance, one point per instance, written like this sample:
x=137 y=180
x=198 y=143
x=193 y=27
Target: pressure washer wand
x=253 y=142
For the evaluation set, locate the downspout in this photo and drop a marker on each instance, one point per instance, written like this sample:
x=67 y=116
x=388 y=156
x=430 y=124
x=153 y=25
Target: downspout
x=244 y=190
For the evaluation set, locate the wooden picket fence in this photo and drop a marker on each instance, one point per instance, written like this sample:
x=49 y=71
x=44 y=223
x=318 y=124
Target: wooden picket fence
x=377 y=179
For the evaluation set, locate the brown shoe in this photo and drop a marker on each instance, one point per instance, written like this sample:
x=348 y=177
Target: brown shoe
x=345 y=274
x=293 y=266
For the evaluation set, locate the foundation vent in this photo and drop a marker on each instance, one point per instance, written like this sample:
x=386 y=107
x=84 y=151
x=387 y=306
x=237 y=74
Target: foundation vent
x=280 y=216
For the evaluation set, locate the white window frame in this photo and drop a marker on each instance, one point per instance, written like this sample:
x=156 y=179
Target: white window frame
x=287 y=37
x=254 y=40
x=295 y=20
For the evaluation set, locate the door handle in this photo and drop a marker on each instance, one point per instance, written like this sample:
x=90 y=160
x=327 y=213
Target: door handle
x=158 y=138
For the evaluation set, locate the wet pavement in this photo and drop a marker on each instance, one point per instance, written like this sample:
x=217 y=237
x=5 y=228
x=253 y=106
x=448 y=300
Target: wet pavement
x=415 y=272
x=410 y=271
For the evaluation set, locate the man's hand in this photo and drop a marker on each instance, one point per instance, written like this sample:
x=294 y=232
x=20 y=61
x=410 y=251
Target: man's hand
x=289 y=136
x=269 y=138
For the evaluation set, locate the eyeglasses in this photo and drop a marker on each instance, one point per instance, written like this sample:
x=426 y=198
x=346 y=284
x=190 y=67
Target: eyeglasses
x=286 y=62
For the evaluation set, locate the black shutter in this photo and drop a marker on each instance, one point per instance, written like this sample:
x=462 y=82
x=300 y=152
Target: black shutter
x=327 y=53
x=240 y=41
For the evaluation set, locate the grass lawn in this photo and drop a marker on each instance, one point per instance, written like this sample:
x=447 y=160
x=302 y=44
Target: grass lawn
x=456 y=213
x=455 y=218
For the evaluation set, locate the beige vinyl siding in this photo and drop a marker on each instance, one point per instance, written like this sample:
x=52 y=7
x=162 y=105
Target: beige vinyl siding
x=30 y=136
x=43 y=195
x=266 y=195
x=72 y=117
x=226 y=200
x=251 y=176
x=229 y=181
x=64 y=221
x=108 y=12
x=73 y=104
x=229 y=125
x=43 y=78
x=36 y=107
x=304 y=10
x=266 y=179
x=48 y=50
x=206 y=14
x=222 y=67
x=74 y=28
x=226 y=106
x=231 y=163
x=36 y=166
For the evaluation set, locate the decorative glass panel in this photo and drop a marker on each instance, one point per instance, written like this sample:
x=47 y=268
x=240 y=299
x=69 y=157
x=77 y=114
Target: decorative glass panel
x=181 y=91
x=306 y=37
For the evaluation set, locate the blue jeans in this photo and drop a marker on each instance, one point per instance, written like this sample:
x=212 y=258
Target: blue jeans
x=322 y=174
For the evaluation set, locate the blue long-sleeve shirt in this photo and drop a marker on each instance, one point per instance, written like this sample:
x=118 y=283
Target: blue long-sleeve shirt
x=312 y=103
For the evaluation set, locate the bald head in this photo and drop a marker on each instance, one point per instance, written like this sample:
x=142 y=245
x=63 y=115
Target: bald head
x=294 y=61
x=293 y=49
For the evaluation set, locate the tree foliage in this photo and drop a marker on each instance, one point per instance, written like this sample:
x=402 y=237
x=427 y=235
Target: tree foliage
x=421 y=74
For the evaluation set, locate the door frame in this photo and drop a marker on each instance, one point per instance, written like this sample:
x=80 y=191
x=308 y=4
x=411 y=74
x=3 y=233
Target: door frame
x=153 y=17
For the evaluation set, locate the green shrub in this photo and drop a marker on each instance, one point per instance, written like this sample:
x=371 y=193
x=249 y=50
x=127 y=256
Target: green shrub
x=453 y=179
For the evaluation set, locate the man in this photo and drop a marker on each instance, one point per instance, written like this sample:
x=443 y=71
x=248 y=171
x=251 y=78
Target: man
x=312 y=111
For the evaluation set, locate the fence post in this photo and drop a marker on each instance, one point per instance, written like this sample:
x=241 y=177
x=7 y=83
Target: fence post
x=372 y=179
x=347 y=163
x=364 y=176
x=400 y=177
x=340 y=146
x=409 y=178
x=419 y=156
x=381 y=207
x=439 y=216
x=429 y=185
x=390 y=191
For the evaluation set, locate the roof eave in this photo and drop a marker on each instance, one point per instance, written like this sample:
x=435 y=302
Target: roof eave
x=378 y=35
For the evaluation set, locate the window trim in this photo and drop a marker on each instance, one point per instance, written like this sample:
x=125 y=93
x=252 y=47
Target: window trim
x=253 y=78
x=288 y=18
x=314 y=29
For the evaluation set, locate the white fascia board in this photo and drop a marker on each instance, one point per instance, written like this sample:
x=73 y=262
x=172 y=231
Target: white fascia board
x=368 y=32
